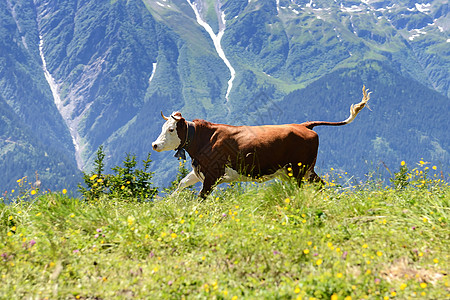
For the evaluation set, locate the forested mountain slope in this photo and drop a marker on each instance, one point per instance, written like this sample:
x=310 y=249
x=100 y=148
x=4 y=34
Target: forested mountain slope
x=75 y=75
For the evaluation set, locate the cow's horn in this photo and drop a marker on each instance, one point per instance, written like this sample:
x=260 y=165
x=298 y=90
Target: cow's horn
x=164 y=117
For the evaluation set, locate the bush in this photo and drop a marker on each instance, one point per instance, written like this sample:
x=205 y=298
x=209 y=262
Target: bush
x=128 y=182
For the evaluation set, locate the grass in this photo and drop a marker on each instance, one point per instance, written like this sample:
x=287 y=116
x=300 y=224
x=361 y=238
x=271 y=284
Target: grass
x=272 y=241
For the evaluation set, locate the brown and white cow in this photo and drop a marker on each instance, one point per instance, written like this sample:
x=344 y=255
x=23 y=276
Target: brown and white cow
x=224 y=153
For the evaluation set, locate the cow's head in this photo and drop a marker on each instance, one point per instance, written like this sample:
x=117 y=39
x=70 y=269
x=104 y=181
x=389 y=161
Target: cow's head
x=170 y=137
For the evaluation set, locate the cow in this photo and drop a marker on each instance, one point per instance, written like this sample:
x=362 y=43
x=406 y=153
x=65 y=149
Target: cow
x=225 y=153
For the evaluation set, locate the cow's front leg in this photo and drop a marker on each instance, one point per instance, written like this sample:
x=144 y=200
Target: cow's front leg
x=189 y=180
x=208 y=184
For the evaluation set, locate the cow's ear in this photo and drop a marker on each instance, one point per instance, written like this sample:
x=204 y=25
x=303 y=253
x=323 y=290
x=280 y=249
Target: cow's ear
x=177 y=116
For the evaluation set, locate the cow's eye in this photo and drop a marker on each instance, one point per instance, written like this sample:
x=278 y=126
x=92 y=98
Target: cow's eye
x=171 y=130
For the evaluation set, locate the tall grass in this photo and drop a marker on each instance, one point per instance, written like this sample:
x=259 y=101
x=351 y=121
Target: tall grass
x=272 y=241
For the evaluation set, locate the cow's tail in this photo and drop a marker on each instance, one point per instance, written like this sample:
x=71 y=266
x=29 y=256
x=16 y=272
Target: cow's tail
x=354 y=110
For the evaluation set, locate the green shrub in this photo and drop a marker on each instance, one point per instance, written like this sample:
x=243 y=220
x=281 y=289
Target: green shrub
x=127 y=183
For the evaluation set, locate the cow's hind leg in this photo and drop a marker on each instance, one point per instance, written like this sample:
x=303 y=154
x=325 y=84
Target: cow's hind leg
x=309 y=175
x=208 y=184
x=314 y=178
x=301 y=176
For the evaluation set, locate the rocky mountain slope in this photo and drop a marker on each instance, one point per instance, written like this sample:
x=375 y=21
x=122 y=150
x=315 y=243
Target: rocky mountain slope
x=78 y=74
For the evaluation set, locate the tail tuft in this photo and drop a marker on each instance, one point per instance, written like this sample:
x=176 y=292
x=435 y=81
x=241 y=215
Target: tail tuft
x=356 y=108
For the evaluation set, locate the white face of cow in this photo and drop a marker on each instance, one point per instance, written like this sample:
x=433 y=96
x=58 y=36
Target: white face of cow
x=168 y=139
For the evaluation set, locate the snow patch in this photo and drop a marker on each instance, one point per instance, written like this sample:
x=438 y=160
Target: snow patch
x=153 y=73
x=423 y=7
x=76 y=139
x=353 y=8
x=417 y=34
x=216 y=40
x=51 y=81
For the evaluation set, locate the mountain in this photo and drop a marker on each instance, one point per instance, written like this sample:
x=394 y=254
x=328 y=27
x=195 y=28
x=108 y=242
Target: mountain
x=33 y=135
x=75 y=75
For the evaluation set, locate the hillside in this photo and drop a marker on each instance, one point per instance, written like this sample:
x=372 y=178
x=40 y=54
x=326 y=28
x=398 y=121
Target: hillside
x=245 y=242
x=77 y=75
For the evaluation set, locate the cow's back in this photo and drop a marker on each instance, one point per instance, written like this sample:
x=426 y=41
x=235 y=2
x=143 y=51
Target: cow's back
x=262 y=150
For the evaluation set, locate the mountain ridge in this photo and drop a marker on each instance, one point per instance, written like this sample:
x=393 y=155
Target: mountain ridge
x=116 y=64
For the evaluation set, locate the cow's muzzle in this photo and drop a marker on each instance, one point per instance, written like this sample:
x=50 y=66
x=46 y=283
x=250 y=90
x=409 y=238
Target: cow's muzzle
x=155 y=147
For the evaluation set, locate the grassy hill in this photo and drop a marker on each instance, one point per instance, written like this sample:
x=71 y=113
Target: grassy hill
x=272 y=241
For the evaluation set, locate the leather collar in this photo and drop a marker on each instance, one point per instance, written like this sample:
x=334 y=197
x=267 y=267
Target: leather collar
x=190 y=133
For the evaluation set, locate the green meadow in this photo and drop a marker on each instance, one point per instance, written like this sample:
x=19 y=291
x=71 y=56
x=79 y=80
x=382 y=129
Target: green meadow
x=370 y=240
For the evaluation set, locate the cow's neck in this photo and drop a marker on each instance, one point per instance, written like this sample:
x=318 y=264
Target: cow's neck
x=202 y=137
